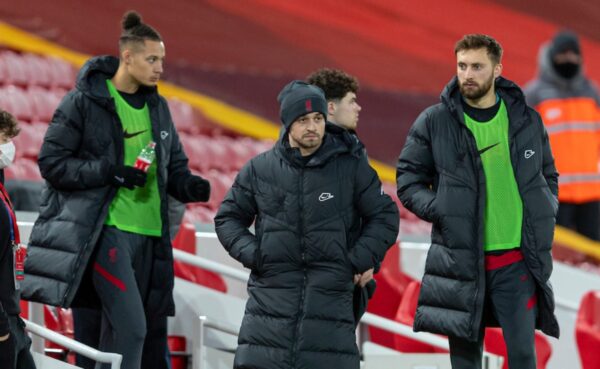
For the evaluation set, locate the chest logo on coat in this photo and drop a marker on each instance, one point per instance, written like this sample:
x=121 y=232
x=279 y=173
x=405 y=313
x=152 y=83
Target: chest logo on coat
x=325 y=196
x=529 y=153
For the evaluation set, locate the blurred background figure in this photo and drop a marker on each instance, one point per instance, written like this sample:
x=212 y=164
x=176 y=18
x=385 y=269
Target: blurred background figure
x=568 y=103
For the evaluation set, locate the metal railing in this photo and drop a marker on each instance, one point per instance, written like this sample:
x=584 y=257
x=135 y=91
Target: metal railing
x=71 y=344
x=201 y=324
x=368 y=318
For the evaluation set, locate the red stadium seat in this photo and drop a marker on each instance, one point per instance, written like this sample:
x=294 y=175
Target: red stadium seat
x=391 y=284
x=587 y=330
x=183 y=116
x=186 y=241
x=177 y=347
x=43 y=103
x=14 y=100
x=25 y=142
x=12 y=69
x=62 y=73
x=494 y=343
x=31 y=170
x=406 y=315
x=199 y=213
x=220 y=183
x=29 y=141
x=37 y=69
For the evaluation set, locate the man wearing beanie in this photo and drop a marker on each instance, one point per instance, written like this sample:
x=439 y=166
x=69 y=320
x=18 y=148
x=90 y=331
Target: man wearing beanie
x=568 y=103
x=320 y=218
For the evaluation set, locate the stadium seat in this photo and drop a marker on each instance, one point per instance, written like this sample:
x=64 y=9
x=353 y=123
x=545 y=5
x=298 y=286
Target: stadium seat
x=494 y=343
x=182 y=114
x=177 y=348
x=29 y=141
x=30 y=170
x=14 y=100
x=587 y=330
x=220 y=183
x=406 y=315
x=186 y=241
x=12 y=69
x=43 y=103
x=25 y=142
x=391 y=284
x=199 y=213
x=61 y=72
x=37 y=70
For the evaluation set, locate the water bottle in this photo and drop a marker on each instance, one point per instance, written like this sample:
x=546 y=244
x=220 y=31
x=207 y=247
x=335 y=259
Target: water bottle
x=146 y=157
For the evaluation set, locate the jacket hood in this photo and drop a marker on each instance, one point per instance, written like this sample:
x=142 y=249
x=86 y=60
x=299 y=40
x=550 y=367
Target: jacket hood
x=547 y=73
x=91 y=80
x=336 y=141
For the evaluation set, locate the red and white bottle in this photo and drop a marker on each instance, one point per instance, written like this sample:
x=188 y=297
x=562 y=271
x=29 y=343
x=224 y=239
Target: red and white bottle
x=146 y=157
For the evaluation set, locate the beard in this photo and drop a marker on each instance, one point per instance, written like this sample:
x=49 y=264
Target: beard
x=476 y=93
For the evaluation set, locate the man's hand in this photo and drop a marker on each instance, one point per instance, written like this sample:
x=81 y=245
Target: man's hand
x=364 y=278
x=198 y=188
x=5 y=337
x=126 y=176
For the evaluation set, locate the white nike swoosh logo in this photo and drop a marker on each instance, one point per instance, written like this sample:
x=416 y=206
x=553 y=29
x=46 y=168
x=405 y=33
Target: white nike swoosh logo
x=325 y=196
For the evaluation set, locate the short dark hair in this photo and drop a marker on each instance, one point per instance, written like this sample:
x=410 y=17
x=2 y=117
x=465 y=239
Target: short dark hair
x=134 y=31
x=8 y=124
x=334 y=82
x=476 y=41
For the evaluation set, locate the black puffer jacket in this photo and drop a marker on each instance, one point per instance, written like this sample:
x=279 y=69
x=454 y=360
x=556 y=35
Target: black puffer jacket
x=83 y=140
x=440 y=178
x=316 y=225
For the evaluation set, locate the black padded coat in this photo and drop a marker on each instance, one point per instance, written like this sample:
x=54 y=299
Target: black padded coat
x=83 y=140
x=316 y=224
x=440 y=178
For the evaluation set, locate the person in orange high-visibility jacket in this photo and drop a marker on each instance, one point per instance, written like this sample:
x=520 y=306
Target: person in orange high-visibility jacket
x=569 y=105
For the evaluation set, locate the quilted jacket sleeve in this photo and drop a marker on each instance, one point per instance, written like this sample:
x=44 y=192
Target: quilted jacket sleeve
x=235 y=215
x=415 y=171
x=380 y=219
x=58 y=160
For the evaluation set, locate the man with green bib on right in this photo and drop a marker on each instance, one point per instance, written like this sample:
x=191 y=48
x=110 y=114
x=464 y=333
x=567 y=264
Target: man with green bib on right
x=478 y=166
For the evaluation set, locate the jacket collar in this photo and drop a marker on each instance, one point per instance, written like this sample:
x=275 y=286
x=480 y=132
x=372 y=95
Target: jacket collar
x=336 y=141
x=91 y=80
x=509 y=92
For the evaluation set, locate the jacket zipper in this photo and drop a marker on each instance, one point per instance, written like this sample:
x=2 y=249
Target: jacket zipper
x=300 y=313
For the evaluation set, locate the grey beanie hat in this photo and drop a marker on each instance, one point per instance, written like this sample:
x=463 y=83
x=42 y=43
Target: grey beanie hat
x=299 y=98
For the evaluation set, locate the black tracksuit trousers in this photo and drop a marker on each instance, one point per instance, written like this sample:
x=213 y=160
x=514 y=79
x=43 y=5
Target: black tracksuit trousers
x=511 y=298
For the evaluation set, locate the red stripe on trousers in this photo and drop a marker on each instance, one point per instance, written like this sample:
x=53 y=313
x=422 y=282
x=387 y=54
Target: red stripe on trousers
x=531 y=302
x=498 y=261
x=109 y=277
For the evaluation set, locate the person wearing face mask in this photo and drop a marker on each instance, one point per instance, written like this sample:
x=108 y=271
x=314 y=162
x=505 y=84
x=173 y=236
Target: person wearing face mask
x=568 y=103
x=14 y=342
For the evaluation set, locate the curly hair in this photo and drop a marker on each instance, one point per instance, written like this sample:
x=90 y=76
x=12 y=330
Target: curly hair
x=134 y=30
x=8 y=124
x=478 y=41
x=334 y=82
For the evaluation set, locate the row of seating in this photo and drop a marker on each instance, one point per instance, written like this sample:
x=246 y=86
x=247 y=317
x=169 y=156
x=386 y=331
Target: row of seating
x=35 y=104
x=221 y=153
x=29 y=69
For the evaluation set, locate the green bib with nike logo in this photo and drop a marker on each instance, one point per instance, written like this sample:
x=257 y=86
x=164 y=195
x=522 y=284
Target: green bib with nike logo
x=137 y=210
x=503 y=205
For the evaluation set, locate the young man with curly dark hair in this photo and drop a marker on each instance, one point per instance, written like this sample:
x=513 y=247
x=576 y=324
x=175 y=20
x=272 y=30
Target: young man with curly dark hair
x=340 y=91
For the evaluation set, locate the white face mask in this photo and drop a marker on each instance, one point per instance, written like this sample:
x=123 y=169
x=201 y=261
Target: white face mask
x=7 y=154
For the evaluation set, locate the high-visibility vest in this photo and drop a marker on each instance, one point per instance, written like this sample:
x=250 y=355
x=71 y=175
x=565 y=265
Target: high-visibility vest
x=573 y=125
